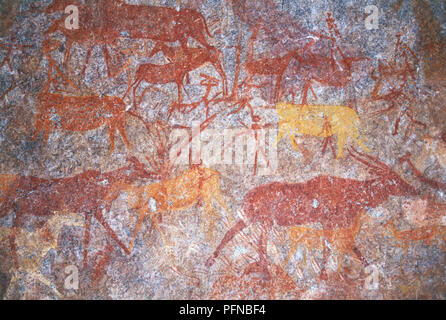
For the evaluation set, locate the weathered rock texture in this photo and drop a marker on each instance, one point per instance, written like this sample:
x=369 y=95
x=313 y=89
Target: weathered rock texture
x=349 y=204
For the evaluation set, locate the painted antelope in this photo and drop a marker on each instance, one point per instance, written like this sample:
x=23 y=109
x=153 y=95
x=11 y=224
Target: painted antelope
x=319 y=121
x=196 y=186
x=428 y=224
x=104 y=21
x=426 y=234
x=271 y=66
x=34 y=246
x=85 y=37
x=334 y=70
x=80 y=114
x=176 y=71
x=342 y=240
x=83 y=193
x=180 y=54
x=332 y=202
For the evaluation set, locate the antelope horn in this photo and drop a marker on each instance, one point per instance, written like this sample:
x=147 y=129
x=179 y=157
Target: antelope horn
x=363 y=161
x=377 y=163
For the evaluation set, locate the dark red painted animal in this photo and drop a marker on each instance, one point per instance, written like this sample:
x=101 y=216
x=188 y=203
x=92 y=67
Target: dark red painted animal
x=81 y=113
x=270 y=66
x=183 y=55
x=394 y=82
x=103 y=21
x=331 y=201
x=176 y=71
x=333 y=70
x=83 y=193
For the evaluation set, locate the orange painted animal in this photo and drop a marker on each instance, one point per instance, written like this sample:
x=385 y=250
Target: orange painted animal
x=196 y=186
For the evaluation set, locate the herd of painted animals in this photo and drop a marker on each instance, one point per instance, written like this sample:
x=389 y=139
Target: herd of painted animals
x=323 y=213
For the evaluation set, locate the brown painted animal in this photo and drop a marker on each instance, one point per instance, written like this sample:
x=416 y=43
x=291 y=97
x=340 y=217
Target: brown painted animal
x=104 y=21
x=271 y=66
x=180 y=54
x=176 y=71
x=80 y=114
x=83 y=193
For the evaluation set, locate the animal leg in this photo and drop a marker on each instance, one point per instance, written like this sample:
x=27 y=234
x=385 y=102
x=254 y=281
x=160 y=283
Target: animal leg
x=110 y=231
x=239 y=226
x=281 y=132
x=359 y=141
x=293 y=247
x=304 y=257
x=84 y=69
x=46 y=133
x=362 y=145
x=263 y=253
x=46 y=282
x=180 y=94
x=207 y=198
x=121 y=130
x=154 y=221
x=341 y=141
x=138 y=227
x=13 y=280
x=293 y=142
x=67 y=51
x=340 y=259
x=39 y=127
x=129 y=88
x=323 y=274
x=277 y=88
x=107 y=60
x=135 y=86
x=111 y=133
x=13 y=247
x=219 y=197
x=88 y=218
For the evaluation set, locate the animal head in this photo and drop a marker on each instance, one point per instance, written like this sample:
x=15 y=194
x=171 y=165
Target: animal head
x=391 y=182
x=159 y=46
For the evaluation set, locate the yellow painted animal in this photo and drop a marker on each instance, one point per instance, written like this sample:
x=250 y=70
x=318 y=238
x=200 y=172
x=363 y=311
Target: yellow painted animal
x=195 y=186
x=319 y=121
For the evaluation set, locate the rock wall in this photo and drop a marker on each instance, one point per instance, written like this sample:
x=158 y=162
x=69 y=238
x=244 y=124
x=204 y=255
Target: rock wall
x=231 y=149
